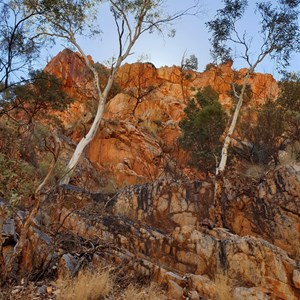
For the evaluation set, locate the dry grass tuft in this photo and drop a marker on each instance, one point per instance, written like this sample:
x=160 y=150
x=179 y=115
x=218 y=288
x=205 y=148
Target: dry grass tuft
x=255 y=172
x=223 y=287
x=86 y=286
x=151 y=127
x=144 y=293
x=104 y=284
x=290 y=155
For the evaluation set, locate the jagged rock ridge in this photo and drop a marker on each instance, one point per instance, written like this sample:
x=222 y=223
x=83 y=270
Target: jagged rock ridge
x=135 y=147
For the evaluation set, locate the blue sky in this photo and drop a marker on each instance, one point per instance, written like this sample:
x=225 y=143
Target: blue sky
x=191 y=37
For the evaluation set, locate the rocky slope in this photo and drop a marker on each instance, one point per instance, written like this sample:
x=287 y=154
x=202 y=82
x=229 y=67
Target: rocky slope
x=164 y=231
x=153 y=215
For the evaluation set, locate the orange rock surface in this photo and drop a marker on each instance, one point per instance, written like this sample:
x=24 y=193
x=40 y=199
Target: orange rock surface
x=141 y=122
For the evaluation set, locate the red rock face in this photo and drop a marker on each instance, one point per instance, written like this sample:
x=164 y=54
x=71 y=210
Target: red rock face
x=140 y=126
x=77 y=82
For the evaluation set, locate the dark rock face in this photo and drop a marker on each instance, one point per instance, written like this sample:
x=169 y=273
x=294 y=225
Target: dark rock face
x=164 y=230
x=167 y=204
x=271 y=210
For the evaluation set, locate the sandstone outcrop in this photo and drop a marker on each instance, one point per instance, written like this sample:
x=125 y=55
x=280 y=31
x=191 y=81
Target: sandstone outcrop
x=76 y=81
x=268 y=209
x=164 y=230
x=154 y=216
x=141 y=122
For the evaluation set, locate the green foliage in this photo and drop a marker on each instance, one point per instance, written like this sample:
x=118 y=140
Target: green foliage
x=10 y=143
x=24 y=160
x=208 y=96
x=289 y=97
x=190 y=63
x=57 y=15
x=24 y=141
x=202 y=128
x=150 y=9
x=44 y=94
x=289 y=100
x=223 y=26
x=281 y=24
x=18 y=47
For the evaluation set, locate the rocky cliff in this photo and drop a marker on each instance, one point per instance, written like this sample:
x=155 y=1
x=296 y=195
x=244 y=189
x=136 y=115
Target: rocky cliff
x=151 y=213
x=164 y=231
x=138 y=135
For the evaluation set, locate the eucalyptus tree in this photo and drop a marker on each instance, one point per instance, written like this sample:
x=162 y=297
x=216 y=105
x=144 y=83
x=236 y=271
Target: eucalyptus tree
x=189 y=63
x=18 y=47
x=67 y=19
x=278 y=38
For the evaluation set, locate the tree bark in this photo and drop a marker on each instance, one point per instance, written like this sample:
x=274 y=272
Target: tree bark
x=95 y=125
x=102 y=97
x=220 y=170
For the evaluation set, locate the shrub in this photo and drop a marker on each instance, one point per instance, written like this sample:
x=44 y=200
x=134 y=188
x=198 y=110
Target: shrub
x=289 y=100
x=190 y=63
x=202 y=128
x=24 y=160
x=254 y=172
x=24 y=155
x=277 y=126
x=291 y=154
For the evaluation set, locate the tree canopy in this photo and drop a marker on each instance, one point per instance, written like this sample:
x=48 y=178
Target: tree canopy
x=202 y=128
x=18 y=47
x=278 y=36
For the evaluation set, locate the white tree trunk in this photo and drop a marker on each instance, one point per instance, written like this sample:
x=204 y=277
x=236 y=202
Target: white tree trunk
x=83 y=143
x=102 y=97
x=228 y=138
x=91 y=133
x=131 y=22
x=219 y=180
